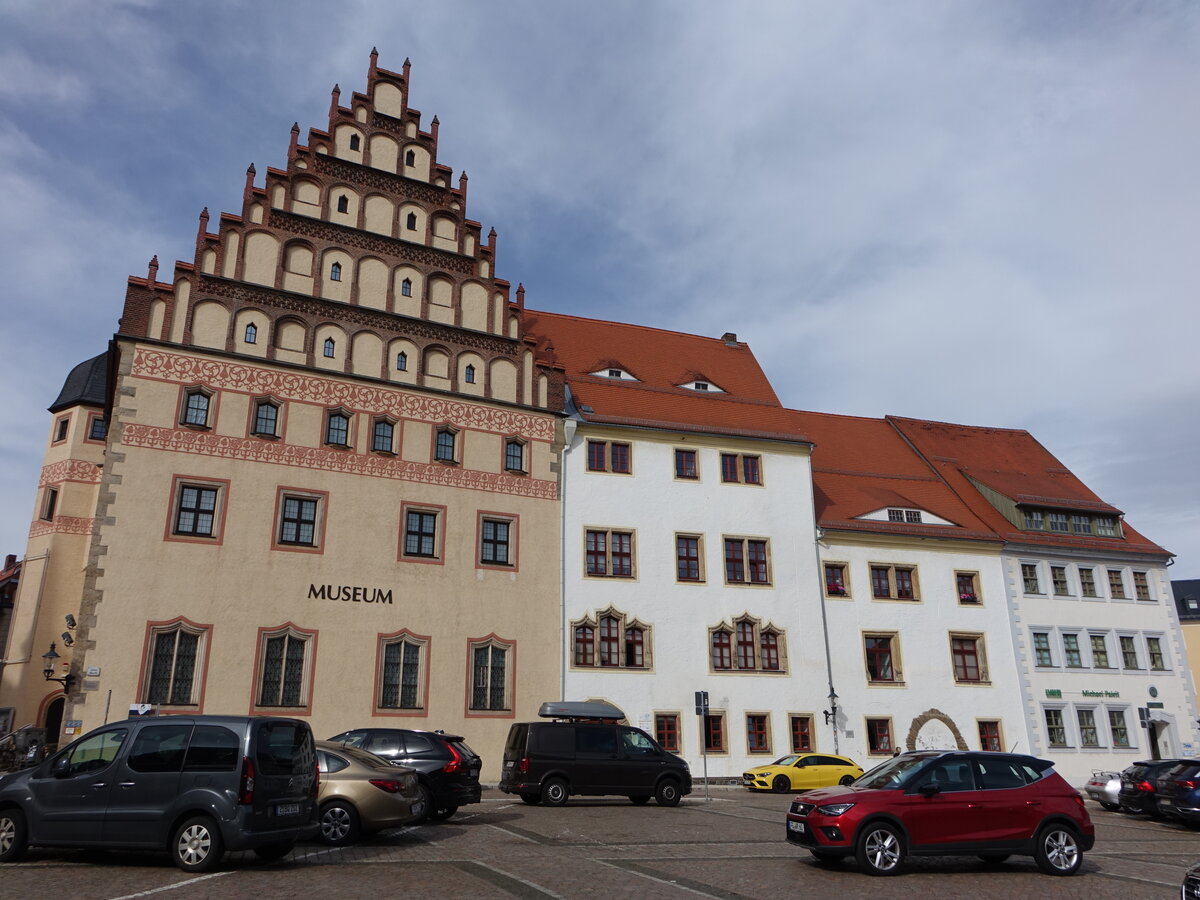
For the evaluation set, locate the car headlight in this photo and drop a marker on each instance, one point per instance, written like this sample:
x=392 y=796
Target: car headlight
x=835 y=809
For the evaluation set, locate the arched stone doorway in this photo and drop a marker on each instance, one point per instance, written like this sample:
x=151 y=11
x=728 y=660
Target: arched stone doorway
x=933 y=730
x=53 y=720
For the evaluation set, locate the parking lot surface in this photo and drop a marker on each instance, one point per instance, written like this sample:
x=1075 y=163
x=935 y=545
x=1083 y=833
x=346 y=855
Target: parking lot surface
x=729 y=847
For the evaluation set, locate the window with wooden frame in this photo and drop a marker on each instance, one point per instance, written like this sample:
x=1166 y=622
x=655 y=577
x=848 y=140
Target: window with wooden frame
x=747 y=560
x=49 y=504
x=685 y=464
x=1058 y=581
x=967 y=584
x=802 y=732
x=1141 y=586
x=403 y=675
x=1099 y=644
x=989 y=735
x=1089 y=734
x=882 y=657
x=491 y=676
x=1041 y=649
x=300 y=519
x=337 y=428
x=836 y=582
x=1087 y=582
x=1118 y=728
x=196 y=412
x=741 y=468
x=758 y=733
x=611 y=640
x=713 y=725
x=879 y=736
x=969 y=658
x=1154 y=652
x=745 y=645
x=1116 y=584
x=383 y=435
x=174 y=664
x=514 y=456
x=497 y=540
x=689 y=558
x=608 y=553
x=197 y=509
x=445 y=445
x=890 y=582
x=60 y=430
x=609 y=456
x=97 y=427
x=422 y=538
x=1072 y=656
x=1056 y=727
x=1029 y=578
x=666 y=731
x=1129 y=654
x=285 y=659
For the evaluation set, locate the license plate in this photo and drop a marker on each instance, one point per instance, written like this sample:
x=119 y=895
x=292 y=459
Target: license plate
x=287 y=809
x=797 y=827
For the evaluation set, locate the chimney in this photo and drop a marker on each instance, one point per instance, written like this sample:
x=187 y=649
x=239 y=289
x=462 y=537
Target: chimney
x=730 y=339
x=10 y=561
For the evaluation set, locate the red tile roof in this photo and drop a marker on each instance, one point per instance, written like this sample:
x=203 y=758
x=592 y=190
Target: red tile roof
x=1013 y=463
x=745 y=404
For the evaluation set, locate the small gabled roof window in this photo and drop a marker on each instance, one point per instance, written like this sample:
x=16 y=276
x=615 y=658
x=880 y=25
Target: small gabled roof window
x=701 y=384
x=614 y=372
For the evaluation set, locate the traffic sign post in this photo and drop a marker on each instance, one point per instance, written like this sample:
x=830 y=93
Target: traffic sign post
x=702 y=711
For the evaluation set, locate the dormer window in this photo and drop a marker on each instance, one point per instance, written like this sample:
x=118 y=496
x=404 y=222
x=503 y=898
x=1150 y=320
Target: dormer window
x=401 y=361
x=406 y=287
x=329 y=348
x=251 y=333
x=908 y=516
x=343 y=204
x=614 y=372
x=335 y=272
x=701 y=385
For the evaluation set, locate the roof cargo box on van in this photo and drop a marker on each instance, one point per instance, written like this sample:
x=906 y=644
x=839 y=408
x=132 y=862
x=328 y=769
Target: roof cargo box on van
x=570 y=709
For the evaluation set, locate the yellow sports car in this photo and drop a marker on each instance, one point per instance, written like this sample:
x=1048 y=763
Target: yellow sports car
x=801 y=772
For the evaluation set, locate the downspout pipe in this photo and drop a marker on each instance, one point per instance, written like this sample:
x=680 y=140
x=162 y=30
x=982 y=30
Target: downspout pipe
x=832 y=697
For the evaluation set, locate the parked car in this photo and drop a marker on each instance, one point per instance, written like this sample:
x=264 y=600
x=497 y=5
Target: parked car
x=1190 y=889
x=1177 y=791
x=585 y=752
x=447 y=769
x=1139 y=782
x=1104 y=788
x=942 y=803
x=801 y=772
x=194 y=786
x=361 y=793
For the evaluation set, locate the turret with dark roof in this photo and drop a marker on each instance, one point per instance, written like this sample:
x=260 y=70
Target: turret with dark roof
x=87 y=385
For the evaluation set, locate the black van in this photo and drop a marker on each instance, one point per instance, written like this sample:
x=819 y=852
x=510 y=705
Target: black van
x=194 y=786
x=585 y=752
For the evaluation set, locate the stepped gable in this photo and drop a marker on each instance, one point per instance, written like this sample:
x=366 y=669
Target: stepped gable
x=1012 y=463
x=86 y=385
x=364 y=229
x=862 y=465
x=656 y=364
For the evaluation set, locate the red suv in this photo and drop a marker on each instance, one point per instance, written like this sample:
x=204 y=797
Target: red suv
x=939 y=803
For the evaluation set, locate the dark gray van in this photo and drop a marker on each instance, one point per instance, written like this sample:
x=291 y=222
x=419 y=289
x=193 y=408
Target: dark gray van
x=585 y=752
x=194 y=786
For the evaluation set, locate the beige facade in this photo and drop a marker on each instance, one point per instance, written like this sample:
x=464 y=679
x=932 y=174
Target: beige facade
x=327 y=441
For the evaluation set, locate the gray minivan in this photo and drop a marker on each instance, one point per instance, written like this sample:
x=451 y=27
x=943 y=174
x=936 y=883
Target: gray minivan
x=194 y=786
x=586 y=752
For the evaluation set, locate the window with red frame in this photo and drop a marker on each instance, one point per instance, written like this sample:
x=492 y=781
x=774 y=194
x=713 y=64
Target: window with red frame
x=879 y=735
x=666 y=731
x=879 y=658
x=609 y=553
x=746 y=561
x=989 y=735
x=729 y=468
x=745 y=645
x=585 y=644
x=722 y=657
x=967 y=591
x=835 y=580
x=635 y=640
x=801 y=734
x=685 y=464
x=687 y=557
x=605 y=456
x=610 y=644
x=770 y=651
x=714 y=733
x=965 y=652
x=757 y=740
x=751 y=473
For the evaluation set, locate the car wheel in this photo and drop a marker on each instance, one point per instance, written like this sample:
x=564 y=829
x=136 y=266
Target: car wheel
x=442 y=813
x=532 y=799
x=781 y=784
x=880 y=849
x=846 y=779
x=1057 y=850
x=640 y=799
x=339 y=823
x=667 y=793
x=196 y=845
x=428 y=804
x=994 y=859
x=278 y=850
x=554 y=792
x=1111 y=807
x=14 y=836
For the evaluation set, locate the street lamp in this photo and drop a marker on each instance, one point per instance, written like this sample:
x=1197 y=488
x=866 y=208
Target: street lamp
x=831 y=713
x=51 y=659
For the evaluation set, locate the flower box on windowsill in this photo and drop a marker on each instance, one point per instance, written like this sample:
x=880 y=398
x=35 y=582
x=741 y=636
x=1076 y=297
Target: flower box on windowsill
x=967 y=598
x=835 y=591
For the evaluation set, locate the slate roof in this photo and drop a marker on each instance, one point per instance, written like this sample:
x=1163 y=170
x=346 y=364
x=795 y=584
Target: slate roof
x=661 y=361
x=1185 y=590
x=87 y=385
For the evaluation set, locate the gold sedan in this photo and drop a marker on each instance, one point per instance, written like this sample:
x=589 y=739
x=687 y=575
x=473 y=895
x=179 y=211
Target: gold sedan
x=802 y=772
x=361 y=793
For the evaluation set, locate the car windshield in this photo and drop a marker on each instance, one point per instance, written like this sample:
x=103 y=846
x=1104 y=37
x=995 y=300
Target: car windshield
x=892 y=773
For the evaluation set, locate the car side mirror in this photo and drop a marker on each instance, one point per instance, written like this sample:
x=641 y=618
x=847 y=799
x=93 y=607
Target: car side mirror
x=929 y=790
x=61 y=767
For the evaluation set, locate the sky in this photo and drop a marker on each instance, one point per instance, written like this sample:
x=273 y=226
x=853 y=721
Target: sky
x=969 y=211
